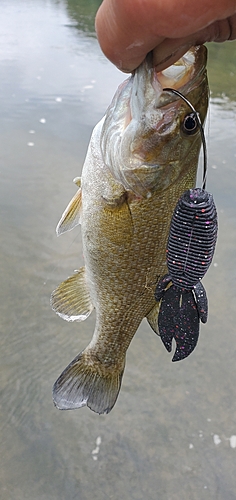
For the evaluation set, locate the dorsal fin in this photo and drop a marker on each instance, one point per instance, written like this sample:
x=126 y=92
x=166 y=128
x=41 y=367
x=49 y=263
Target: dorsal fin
x=71 y=216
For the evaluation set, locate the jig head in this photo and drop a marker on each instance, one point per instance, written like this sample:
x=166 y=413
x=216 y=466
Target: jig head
x=190 y=249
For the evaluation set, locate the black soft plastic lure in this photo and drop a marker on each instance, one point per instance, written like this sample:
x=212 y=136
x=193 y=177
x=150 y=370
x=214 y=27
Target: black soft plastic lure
x=190 y=249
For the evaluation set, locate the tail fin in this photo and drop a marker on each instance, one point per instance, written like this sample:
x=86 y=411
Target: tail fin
x=87 y=382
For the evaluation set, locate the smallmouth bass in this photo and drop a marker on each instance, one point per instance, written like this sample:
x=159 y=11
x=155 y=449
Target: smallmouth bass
x=141 y=157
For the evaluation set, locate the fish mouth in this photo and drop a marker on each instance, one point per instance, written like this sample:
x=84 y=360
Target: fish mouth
x=155 y=116
x=149 y=85
x=179 y=73
x=141 y=130
x=183 y=75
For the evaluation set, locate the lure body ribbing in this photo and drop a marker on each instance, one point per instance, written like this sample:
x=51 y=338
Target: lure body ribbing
x=190 y=249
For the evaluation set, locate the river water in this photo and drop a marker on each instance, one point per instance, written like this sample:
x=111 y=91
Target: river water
x=172 y=433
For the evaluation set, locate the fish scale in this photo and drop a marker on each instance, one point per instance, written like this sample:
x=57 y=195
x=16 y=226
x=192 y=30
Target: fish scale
x=132 y=177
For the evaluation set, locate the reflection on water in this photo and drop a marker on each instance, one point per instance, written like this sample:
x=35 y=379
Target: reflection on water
x=83 y=13
x=171 y=433
x=222 y=71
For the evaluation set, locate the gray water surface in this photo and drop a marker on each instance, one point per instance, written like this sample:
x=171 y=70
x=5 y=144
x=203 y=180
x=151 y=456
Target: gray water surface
x=172 y=433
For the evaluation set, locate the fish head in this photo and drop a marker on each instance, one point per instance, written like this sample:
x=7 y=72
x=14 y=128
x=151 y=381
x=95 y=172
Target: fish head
x=149 y=139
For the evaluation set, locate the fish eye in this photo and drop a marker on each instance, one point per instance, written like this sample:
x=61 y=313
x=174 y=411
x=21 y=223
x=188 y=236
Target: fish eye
x=190 y=124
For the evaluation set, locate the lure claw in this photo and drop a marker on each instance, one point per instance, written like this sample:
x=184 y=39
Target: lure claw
x=190 y=249
x=201 y=300
x=160 y=289
x=179 y=320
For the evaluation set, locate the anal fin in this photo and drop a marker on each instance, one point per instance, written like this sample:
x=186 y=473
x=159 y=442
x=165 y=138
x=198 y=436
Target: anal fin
x=71 y=299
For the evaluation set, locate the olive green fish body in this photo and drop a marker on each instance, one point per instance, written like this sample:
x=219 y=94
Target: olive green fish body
x=139 y=162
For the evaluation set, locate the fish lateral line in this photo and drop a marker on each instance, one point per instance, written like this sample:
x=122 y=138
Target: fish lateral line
x=122 y=242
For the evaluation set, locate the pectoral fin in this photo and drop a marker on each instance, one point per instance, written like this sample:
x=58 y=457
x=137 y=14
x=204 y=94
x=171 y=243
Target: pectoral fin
x=71 y=216
x=71 y=299
x=116 y=218
x=117 y=223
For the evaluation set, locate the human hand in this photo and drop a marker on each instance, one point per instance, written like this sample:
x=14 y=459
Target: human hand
x=128 y=29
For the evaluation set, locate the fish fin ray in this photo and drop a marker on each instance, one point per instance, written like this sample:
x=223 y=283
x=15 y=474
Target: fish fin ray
x=152 y=318
x=85 y=382
x=118 y=224
x=71 y=299
x=71 y=216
